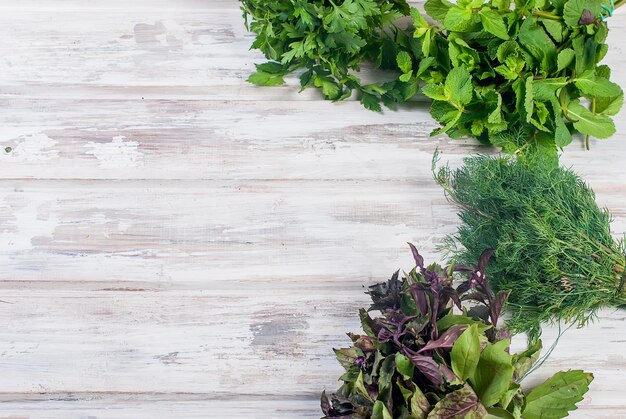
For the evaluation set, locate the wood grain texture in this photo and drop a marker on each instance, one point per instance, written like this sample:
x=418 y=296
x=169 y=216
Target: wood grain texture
x=178 y=243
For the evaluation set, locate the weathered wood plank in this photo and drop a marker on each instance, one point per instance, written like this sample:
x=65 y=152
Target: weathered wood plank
x=222 y=344
x=178 y=243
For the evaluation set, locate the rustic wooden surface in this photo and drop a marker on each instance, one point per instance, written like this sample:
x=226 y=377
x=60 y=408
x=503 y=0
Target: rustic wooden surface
x=176 y=243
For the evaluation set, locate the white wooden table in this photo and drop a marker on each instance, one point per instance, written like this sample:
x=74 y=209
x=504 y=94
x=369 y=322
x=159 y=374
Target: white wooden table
x=176 y=243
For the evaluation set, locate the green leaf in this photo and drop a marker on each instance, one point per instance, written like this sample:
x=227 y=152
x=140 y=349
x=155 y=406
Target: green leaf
x=458 y=87
x=419 y=404
x=360 y=386
x=546 y=90
x=371 y=102
x=380 y=411
x=565 y=58
x=493 y=373
x=585 y=50
x=459 y=20
x=466 y=353
x=261 y=78
x=421 y=25
x=574 y=10
x=493 y=23
x=424 y=65
x=592 y=86
x=529 y=103
x=534 y=39
x=460 y=404
x=498 y=412
x=609 y=105
x=558 y=395
x=405 y=64
x=404 y=365
x=586 y=122
x=434 y=91
x=426 y=42
x=437 y=9
x=450 y=320
x=554 y=28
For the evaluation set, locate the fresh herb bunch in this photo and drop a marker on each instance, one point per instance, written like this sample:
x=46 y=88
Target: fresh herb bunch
x=419 y=359
x=553 y=245
x=328 y=40
x=521 y=75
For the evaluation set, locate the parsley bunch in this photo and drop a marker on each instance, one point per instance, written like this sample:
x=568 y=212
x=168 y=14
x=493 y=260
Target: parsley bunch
x=421 y=359
x=327 y=40
x=524 y=75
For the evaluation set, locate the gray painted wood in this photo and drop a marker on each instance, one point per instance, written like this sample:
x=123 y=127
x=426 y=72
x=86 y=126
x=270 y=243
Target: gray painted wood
x=178 y=243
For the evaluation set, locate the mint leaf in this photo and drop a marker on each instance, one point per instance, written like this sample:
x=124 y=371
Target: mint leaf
x=459 y=20
x=458 y=87
x=558 y=395
x=466 y=353
x=610 y=105
x=534 y=39
x=405 y=64
x=574 y=11
x=493 y=23
x=598 y=126
x=565 y=58
x=529 y=103
x=592 y=86
x=437 y=9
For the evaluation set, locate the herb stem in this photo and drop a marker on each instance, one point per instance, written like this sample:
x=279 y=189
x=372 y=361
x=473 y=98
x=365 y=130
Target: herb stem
x=547 y=15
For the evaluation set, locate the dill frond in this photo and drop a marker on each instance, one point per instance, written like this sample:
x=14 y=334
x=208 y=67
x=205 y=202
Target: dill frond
x=554 y=248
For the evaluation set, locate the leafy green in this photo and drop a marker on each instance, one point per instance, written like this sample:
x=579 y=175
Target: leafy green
x=426 y=356
x=485 y=54
x=558 y=395
x=466 y=353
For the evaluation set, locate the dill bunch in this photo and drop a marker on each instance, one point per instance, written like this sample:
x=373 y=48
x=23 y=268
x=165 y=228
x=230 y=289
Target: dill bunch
x=553 y=244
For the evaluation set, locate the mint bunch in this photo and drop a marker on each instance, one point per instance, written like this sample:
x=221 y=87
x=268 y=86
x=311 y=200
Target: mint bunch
x=520 y=76
x=419 y=359
x=523 y=75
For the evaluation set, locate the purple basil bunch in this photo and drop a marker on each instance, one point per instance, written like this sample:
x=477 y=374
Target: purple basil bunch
x=428 y=356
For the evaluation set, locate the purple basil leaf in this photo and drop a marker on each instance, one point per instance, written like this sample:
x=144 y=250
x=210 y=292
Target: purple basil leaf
x=484 y=259
x=459 y=404
x=479 y=313
x=498 y=305
x=448 y=374
x=419 y=260
x=464 y=287
x=325 y=403
x=449 y=293
x=422 y=301
x=474 y=296
x=586 y=18
x=384 y=335
x=445 y=341
x=429 y=368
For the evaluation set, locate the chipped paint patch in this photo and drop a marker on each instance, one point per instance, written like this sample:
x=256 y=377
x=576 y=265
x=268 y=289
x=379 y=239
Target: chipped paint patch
x=279 y=335
x=118 y=153
x=33 y=147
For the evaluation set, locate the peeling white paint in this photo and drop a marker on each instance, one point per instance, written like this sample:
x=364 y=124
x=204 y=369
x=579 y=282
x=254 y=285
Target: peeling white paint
x=33 y=147
x=118 y=153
